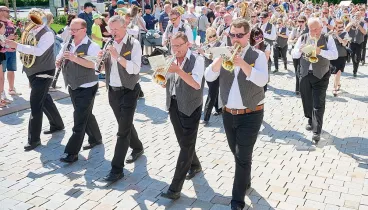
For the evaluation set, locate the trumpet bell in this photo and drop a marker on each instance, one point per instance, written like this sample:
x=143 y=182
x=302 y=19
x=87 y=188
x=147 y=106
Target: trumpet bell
x=313 y=59
x=159 y=78
x=228 y=65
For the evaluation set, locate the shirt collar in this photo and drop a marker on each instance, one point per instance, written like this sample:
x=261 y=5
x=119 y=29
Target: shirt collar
x=125 y=39
x=246 y=48
x=189 y=52
x=84 y=41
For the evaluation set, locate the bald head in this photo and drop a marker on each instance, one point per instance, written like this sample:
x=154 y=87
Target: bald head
x=80 y=22
x=315 y=27
x=4 y=12
x=314 y=22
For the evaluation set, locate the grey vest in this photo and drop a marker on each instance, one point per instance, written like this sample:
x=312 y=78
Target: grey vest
x=322 y=66
x=282 y=42
x=44 y=62
x=340 y=48
x=76 y=75
x=356 y=35
x=251 y=94
x=187 y=97
x=208 y=61
x=268 y=30
x=127 y=80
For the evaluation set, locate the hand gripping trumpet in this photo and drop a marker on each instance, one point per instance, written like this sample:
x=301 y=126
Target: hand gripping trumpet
x=160 y=74
x=228 y=63
x=105 y=54
x=310 y=50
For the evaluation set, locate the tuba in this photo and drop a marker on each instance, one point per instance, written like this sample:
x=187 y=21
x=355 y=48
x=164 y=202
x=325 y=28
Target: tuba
x=36 y=17
x=228 y=62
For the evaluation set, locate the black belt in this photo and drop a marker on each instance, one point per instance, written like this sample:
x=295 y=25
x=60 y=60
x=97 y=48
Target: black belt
x=310 y=71
x=117 y=88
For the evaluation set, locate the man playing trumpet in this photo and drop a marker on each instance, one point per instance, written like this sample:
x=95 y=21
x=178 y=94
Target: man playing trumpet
x=184 y=98
x=242 y=95
x=314 y=77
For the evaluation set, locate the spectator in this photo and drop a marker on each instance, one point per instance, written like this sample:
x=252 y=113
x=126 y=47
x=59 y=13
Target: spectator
x=203 y=25
x=164 y=18
x=149 y=18
x=96 y=30
x=211 y=13
x=192 y=19
x=65 y=33
x=158 y=9
x=3 y=100
x=103 y=26
x=112 y=8
x=10 y=64
x=87 y=16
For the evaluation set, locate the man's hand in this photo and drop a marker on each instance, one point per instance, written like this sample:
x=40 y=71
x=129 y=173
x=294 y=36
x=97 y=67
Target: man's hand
x=239 y=61
x=113 y=52
x=58 y=63
x=11 y=44
x=12 y=36
x=70 y=56
x=318 y=51
x=174 y=68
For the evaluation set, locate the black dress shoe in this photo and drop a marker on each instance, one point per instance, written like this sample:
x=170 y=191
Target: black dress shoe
x=53 y=130
x=141 y=94
x=297 y=93
x=354 y=74
x=90 y=146
x=31 y=146
x=316 y=137
x=69 y=158
x=113 y=177
x=171 y=195
x=192 y=172
x=236 y=208
x=308 y=127
x=134 y=156
x=275 y=71
x=217 y=113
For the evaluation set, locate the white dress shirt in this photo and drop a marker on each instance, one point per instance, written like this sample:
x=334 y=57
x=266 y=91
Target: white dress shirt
x=45 y=42
x=133 y=66
x=271 y=36
x=219 y=32
x=330 y=54
x=287 y=32
x=92 y=51
x=259 y=76
x=188 y=32
x=197 y=72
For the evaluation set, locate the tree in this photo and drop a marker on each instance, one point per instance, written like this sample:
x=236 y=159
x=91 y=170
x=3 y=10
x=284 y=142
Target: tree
x=14 y=8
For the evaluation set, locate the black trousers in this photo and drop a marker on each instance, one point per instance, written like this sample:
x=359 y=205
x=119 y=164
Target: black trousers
x=186 y=129
x=123 y=103
x=84 y=121
x=277 y=51
x=41 y=102
x=296 y=63
x=241 y=132
x=356 y=55
x=313 y=94
x=212 y=99
x=364 y=46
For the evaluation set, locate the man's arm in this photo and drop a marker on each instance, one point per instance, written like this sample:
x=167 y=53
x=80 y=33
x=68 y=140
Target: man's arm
x=43 y=44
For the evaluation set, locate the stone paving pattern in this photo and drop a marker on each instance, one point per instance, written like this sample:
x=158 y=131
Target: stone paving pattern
x=288 y=171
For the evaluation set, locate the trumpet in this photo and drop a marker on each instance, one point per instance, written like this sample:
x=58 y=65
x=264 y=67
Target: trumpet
x=310 y=50
x=160 y=75
x=104 y=55
x=228 y=63
x=345 y=18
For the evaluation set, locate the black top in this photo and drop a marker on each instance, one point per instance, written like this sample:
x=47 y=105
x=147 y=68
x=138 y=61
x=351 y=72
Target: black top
x=210 y=15
x=88 y=18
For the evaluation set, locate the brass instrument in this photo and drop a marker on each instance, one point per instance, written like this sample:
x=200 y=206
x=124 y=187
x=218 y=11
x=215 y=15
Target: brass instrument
x=36 y=17
x=228 y=63
x=345 y=18
x=160 y=74
x=244 y=13
x=105 y=55
x=310 y=50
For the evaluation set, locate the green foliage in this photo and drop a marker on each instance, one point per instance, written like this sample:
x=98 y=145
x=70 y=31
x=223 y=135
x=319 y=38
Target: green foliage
x=57 y=27
x=61 y=19
x=24 y=3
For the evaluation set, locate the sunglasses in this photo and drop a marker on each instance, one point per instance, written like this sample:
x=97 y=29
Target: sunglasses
x=301 y=21
x=173 y=19
x=222 y=12
x=238 y=36
x=213 y=36
x=258 y=37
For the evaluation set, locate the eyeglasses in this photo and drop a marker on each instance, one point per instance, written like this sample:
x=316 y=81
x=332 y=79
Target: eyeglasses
x=258 y=37
x=325 y=13
x=300 y=21
x=222 y=13
x=177 y=46
x=213 y=36
x=238 y=36
x=173 y=19
x=75 y=30
x=253 y=16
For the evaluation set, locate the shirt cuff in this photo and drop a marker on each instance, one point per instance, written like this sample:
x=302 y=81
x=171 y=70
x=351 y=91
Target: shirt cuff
x=19 y=47
x=324 y=54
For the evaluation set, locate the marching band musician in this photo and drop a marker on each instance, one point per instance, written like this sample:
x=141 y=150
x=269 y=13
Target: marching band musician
x=281 y=45
x=269 y=33
x=357 y=29
x=213 y=87
x=40 y=76
x=341 y=38
x=242 y=95
x=223 y=31
x=184 y=85
x=295 y=34
x=82 y=81
x=314 y=77
x=122 y=75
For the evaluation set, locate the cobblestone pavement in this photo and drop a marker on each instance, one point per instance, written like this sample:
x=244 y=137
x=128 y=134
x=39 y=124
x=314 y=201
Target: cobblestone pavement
x=288 y=172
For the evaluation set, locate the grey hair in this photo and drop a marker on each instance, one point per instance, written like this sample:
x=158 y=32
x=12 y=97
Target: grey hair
x=314 y=20
x=117 y=18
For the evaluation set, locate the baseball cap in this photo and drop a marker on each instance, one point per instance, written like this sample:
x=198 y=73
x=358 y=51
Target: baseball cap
x=96 y=16
x=120 y=2
x=135 y=3
x=263 y=15
x=230 y=7
x=147 y=6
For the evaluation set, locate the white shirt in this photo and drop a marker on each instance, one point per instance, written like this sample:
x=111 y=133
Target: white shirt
x=259 y=76
x=287 y=32
x=197 y=72
x=188 y=32
x=266 y=35
x=133 y=66
x=330 y=54
x=45 y=42
x=219 y=32
x=92 y=51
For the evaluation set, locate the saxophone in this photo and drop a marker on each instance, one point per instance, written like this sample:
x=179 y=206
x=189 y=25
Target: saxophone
x=36 y=18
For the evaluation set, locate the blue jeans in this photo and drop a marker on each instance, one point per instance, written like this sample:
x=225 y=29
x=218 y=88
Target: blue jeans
x=10 y=63
x=202 y=34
